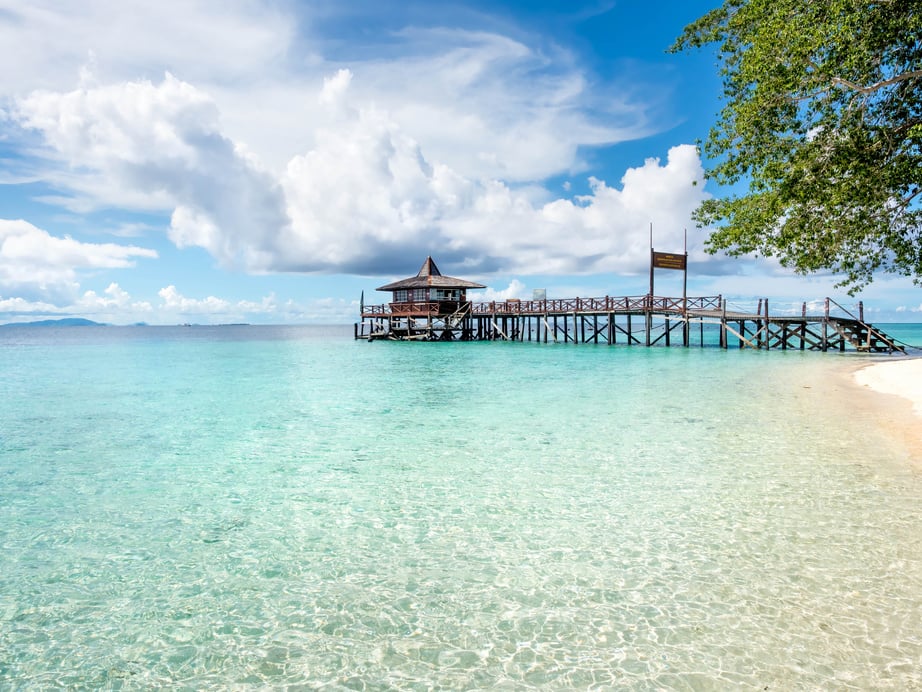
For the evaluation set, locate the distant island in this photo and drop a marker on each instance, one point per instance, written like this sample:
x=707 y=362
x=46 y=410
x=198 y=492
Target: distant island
x=64 y=322
x=80 y=322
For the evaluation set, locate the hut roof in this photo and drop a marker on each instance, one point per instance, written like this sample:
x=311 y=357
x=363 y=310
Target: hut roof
x=429 y=276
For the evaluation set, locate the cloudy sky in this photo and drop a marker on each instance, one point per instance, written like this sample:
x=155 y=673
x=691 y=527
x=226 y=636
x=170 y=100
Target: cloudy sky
x=268 y=160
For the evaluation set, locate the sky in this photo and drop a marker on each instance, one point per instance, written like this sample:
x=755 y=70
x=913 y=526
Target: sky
x=268 y=161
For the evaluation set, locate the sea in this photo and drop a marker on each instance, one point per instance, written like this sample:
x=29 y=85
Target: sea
x=262 y=507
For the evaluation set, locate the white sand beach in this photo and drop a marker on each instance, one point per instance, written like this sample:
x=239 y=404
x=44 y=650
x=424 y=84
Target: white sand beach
x=902 y=378
x=894 y=399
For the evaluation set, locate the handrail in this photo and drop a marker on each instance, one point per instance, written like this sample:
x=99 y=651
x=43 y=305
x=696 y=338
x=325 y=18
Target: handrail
x=513 y=306
x=879 y=335
x=600 y=304
x=846 y=311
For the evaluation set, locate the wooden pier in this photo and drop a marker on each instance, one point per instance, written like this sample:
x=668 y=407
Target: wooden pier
x=646 y=320
x=434 y=307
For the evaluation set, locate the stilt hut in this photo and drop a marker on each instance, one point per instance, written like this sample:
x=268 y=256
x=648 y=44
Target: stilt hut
x=427 y=306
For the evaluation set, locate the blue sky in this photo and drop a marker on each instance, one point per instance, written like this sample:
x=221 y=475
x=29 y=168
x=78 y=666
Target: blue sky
x=267 y=161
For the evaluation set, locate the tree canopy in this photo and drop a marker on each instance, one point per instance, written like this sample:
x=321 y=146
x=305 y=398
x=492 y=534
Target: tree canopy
x=823 y=120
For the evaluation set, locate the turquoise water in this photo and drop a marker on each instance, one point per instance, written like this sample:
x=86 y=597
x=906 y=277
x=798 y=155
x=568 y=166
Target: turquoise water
x=266 y=507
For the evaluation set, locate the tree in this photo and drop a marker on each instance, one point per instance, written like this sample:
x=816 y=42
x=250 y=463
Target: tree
x=823 y=120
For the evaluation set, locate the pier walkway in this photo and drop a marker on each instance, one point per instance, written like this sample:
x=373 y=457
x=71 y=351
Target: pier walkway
x=646 y=320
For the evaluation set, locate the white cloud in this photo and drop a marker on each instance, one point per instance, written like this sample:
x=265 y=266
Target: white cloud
x=362 y=200
x=35 y=263
x=174 y=304
x=483 y=103
x=490 y=106
x=515 y=289
x=904 y=308
x=21 y=306
x=50 y=43
x=335 y=88
x=174 y=301
x=146 y=144
x=115 y=303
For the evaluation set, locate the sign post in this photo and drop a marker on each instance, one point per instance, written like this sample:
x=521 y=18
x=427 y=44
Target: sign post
x=675 y=261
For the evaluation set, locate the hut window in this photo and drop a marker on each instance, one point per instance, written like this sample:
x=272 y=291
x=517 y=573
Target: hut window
x=400 y=296
x=446 y=294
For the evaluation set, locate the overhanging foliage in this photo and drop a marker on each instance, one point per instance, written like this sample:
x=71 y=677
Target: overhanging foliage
x=823 y=120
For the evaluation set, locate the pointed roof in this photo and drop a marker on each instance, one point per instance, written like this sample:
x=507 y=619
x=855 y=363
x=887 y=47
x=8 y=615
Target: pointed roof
x=429 y=276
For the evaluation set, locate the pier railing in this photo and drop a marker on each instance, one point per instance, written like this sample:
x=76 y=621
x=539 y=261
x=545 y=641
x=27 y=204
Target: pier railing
x=621 y=304
x=606 y=304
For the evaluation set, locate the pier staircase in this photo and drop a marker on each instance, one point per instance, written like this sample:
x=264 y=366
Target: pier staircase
x=863 y=337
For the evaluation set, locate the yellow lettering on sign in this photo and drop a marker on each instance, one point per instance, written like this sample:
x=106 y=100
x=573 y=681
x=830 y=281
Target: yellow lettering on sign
x=668 y=260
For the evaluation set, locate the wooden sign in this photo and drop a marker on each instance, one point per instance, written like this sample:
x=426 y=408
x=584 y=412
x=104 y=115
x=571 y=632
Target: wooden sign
x=669 y=260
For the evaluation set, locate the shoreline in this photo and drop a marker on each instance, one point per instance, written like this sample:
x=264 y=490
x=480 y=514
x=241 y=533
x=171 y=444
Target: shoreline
x=902 y=378
x=893 y=394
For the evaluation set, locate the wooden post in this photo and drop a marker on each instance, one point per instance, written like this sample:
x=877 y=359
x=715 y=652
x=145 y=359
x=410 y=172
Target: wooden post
x=803 y=325
x=768 y=332
x=825 y=326
x=685 y=335
x=648 y=308
x=861 y=311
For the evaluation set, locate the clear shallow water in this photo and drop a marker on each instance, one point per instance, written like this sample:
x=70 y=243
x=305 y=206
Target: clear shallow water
x=243 y=506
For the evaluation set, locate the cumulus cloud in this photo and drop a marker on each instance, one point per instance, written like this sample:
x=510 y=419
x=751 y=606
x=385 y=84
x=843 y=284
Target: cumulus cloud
x=367 y=197
x=113 y=303
x=146 y=144
x=36 y=264
x=19 y=306
x=515 y=289
x=364 y=199
x=173 y=302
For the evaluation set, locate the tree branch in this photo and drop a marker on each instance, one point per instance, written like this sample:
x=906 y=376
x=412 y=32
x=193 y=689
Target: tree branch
x=914 y=74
